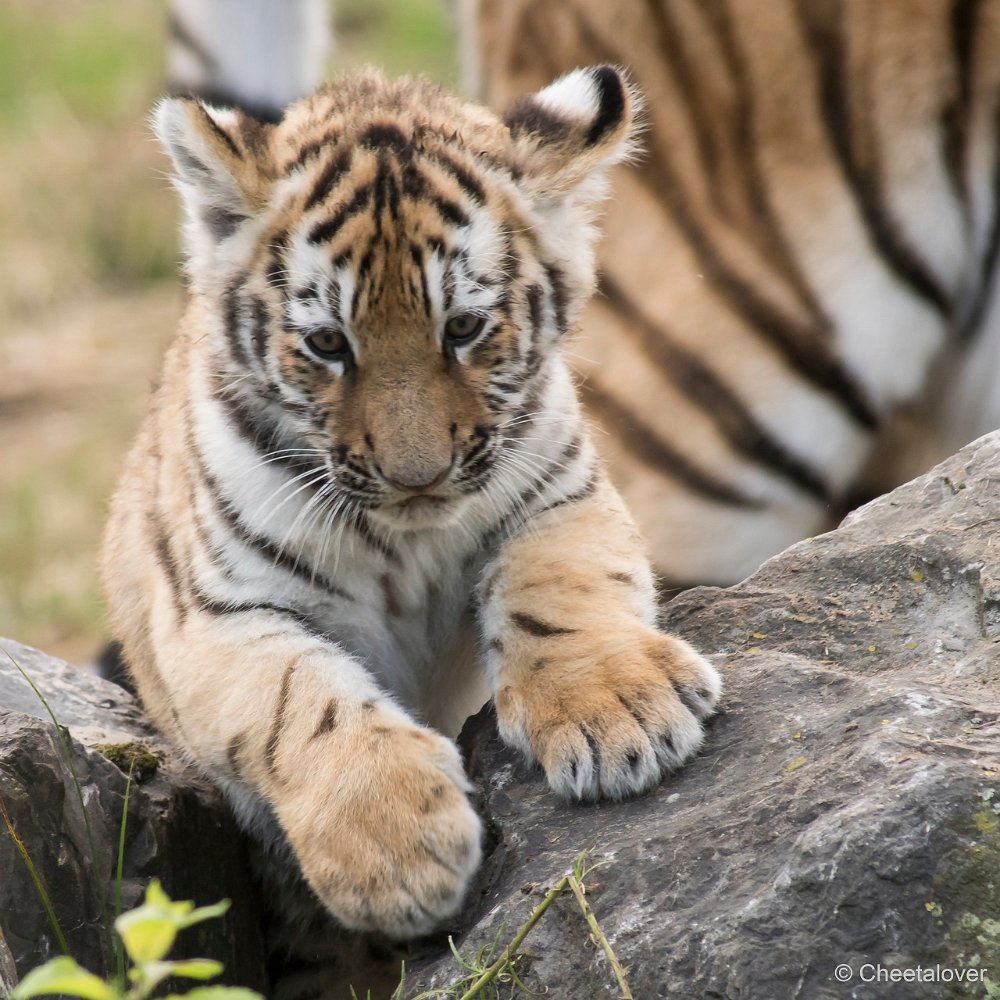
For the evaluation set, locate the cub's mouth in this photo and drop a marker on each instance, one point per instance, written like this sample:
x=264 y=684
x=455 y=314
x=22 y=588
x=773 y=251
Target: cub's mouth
x=425 y=510
x=425 y=502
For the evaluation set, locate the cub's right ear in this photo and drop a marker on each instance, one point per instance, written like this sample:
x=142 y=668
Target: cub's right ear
x=222 y=169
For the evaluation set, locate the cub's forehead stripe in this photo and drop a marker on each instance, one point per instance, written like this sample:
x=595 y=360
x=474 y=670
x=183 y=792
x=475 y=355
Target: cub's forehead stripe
x=337 y=168
x=407 y=177
x=326 y=230
x=386 y=135
x=463 y=177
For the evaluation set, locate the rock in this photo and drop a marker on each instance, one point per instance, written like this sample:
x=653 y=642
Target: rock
x=8 y=972
x=178 y=828
x=845 y=810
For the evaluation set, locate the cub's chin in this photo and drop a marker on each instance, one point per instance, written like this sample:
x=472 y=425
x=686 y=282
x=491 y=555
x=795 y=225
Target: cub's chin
x=420 y=513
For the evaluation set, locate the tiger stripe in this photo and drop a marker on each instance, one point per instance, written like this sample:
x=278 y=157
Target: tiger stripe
x=824 y=32
x=703 y=386
x=806 y=251
x=955 y=122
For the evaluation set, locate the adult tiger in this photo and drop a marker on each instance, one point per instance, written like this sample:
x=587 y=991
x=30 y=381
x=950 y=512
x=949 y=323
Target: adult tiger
x=797 y=282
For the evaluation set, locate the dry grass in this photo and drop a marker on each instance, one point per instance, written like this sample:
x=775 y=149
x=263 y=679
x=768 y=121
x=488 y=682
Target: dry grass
x=89 y=296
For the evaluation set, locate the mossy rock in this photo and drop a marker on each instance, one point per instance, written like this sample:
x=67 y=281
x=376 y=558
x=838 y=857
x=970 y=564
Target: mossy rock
x=967 y=901
x=135 y=758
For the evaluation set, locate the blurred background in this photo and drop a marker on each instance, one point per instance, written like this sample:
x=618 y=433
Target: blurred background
x=89 y=291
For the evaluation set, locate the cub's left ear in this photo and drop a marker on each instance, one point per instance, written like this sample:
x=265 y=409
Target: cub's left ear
x=573 y=130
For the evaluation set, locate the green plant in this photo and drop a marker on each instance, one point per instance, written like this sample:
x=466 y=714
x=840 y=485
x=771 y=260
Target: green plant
x=148 y=933
x=133 y=754
x=36 y=879
x=484 y=974
x=97 y=874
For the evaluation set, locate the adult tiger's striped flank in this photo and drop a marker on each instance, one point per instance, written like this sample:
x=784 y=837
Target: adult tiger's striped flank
x=365 y=500
x=797 y=301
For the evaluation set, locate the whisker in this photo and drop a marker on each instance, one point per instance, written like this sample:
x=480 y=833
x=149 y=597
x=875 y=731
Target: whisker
x=316 y=474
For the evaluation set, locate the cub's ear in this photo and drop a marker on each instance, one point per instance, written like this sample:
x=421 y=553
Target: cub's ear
x=567 y=135
x=221 y=168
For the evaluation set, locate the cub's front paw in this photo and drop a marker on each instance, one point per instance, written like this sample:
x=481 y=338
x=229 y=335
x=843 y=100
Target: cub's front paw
x=386 y=837
x=611 y=727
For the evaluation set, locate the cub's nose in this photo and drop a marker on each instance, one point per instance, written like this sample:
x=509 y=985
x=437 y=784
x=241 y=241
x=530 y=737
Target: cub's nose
x=416 y=481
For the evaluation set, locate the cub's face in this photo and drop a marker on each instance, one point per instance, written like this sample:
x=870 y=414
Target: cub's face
x=406 y=331
x=392 y=270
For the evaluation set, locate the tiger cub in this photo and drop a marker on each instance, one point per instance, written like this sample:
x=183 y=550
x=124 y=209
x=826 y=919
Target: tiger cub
x=365 y=500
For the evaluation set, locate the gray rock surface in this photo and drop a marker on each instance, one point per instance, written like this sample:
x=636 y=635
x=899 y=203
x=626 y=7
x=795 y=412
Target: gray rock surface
x=844 y=810
x=178 y=829
x=8 y=972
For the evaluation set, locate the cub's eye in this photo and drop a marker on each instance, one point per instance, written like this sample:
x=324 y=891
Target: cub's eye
x=463 y=329
x=331 y=345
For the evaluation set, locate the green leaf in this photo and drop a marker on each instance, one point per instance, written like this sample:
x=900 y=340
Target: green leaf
x=217 y=993
x=148 y=935
x=195 y=968
x=150 y=974
x=153 y=973
x=63 y=975
x=155 y=896
x=149 y=930
x=184 y=911
x=207 y=913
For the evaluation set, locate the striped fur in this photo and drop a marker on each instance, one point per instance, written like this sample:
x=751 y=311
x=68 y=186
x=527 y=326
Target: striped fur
x=365 y=499
x=796 y=303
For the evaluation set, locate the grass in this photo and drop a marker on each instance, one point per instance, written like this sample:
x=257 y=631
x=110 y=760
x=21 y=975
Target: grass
x=120 y=866
x=60 y=456
x=484 y=974
x=80 y=195
x=36 y=880
x=87 y=226
x=94 y=59
x=414 y=36
x=100 y=882
x=116 y=953
x=88 y=251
